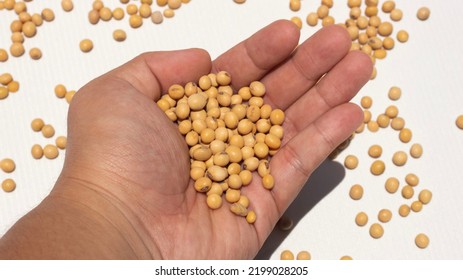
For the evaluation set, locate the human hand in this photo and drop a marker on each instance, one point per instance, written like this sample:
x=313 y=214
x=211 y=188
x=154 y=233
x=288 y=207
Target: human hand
x=127 y=166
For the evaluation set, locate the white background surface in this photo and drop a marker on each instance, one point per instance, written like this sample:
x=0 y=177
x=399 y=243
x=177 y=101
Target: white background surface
x=428 y=68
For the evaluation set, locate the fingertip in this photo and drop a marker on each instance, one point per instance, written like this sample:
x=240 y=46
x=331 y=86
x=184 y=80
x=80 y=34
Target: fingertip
x=338 y=35
x=289 y=30
x=356 y=113
x=201 y=55
x=364 y=65
x=273 y=43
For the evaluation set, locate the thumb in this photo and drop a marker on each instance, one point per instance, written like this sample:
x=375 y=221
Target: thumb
x=152 y=73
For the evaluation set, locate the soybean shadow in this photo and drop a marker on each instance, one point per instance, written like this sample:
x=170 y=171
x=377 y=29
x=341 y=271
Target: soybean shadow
x=324 y=179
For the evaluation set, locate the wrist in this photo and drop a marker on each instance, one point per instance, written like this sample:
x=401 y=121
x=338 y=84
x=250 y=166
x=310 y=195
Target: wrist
x=118 y=231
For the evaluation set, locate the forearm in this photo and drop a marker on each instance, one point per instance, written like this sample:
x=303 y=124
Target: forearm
x=65 y=228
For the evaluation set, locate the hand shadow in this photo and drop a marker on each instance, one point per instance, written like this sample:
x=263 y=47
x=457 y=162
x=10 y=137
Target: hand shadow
x=323 y=180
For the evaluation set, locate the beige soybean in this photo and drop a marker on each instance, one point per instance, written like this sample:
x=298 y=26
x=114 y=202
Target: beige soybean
x=366 y=102
x=203 y=184
x=377 y=167
x=396 y=14
x=388 y=43
x=93 y=16
x=407 y=192
x=286 y=255
x=214 y=201
x=459 y=121
x=4 y=92
x=35 y=53
x=69 y=96
x=13 y=86
x=17 y=49
x=135 y=21
x=404 y=210
x=131 y=9
x=384 y=215
x=37 y=151
x=145 y=10
x=412 y=180
x=234 y=181
x=168 y=13
x=423 y=13
x=388 y=6
x=383 y=120
x=416 y=150
x=272 y=141
x=376 y=231
x=244 y=200
x=356 y=192
x=392 y=111
x=29 y=29
x=263 y=168
x=405 y=135
x=373 y=126
x=7 y=165
x=361 y=219
x=422 y=240
x=402 y=36
x=8 y=185
x=425 y=196
x=48 y=131
x=37 y=124
x=327 y=21
x=251 y=216
x=97 y=5
x=375 y=151
x=398 y=123
x=371 y=11
x=297 y=21
x=391 y=185
x=351 y=162
x=3 y=55
x=216 y=188
x=416 y=206
x=385 y=29
x=195 y=101
x=277 y=130
x=61 y=142
x=355 y=13
x=232 y=195
x=196 y=173
x=48 y=14
x=67 y=5
x=295 y=5
x=268 y=181
x=50 y=151
x=86 y=45
x=6 y=78
x=394 y=93
x=245 y=176
x=323 y=11
x=312 y=19
x=303 y=255
x=399 y=158
x=277 y=117
x=119 y=35
x=354 y=3
x=118 y=13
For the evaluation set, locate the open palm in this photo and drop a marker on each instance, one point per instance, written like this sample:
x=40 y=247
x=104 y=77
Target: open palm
x=122 y=147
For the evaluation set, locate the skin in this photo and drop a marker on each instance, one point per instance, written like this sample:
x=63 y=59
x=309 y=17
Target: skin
x=125 y=192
